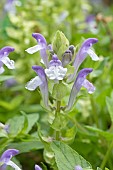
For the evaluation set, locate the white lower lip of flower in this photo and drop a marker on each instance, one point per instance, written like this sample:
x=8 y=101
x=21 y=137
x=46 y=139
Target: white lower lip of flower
x=56 y=72
x=9 y=63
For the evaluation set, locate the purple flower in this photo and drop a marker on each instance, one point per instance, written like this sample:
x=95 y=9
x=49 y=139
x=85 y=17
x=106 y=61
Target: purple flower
x=37 y=167
x=42 y=47
x=10 y=82
x=40 y=81
x=78 y=167
x=10 y=6
x=79 y=82
x=91 y=24
x=82 y=54
x=4 y=59
x=5 y=159
x=55 y=70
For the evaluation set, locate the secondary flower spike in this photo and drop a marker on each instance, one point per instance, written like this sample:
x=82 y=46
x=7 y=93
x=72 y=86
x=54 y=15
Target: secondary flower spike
x=40 y=81
x=37 y=167
x=79 y=82
x=82 y=54
x=4 y=59
x=42 y=47
x=5 y=159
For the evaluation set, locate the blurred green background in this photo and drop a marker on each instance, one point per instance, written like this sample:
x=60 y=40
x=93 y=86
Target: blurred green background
x=78 y=20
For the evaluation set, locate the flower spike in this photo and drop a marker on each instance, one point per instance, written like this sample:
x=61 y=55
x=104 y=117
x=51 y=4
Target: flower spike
x=79 y=82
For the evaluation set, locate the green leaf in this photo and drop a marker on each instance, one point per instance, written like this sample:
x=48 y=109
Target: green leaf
x=32 y=119
x=27 y=146
x=3 y=133
x=67 y=158
x=59 y=91
x=16 y=125
x=22 y=124
x=109 y=103
x=60 y=44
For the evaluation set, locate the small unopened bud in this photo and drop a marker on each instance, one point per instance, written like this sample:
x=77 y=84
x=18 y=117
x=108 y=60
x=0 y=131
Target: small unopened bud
x=71 y=48
x=67 y=57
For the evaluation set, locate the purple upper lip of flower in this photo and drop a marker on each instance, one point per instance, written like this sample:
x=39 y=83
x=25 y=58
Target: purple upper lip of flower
x=55 y=61
x=42 y=47
x=40 y=38
x=5 y=51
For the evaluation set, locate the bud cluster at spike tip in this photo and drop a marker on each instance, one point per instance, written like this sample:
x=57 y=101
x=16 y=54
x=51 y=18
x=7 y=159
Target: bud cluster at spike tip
x=56 y=69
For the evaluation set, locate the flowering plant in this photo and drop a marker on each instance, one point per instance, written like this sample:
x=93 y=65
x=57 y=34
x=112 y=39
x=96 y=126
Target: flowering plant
x=59 y=79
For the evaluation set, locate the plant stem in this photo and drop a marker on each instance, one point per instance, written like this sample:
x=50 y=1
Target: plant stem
x=106 y=156
x=56 y=114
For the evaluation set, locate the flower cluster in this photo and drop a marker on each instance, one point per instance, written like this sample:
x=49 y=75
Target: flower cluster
x=56 y=68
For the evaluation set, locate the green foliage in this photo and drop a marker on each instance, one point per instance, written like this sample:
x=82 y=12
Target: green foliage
x=60 y=43
x=67 y=158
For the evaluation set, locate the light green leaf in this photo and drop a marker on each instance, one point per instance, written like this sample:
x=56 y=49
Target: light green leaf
x=22 y=124
x=16 y=125
x=60 y=43
x=67 y=158
x=32 y=119
x=3 y=133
